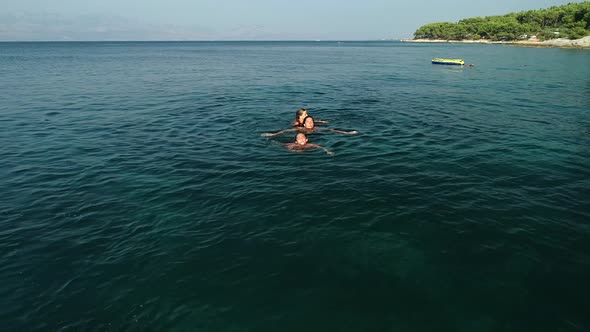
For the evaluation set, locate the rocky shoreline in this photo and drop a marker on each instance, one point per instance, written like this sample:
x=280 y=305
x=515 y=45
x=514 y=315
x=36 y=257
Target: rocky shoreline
x=559 y=42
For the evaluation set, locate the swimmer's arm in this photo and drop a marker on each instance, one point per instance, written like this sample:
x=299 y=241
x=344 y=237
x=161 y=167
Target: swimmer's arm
x=321 y=121
x=277 y=133
x=354 y=132
x=311 y=145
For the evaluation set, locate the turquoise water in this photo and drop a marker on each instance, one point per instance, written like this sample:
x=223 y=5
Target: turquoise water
x=138 y=195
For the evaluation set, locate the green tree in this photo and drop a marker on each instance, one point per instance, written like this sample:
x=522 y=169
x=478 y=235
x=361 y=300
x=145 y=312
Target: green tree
x=571 y=20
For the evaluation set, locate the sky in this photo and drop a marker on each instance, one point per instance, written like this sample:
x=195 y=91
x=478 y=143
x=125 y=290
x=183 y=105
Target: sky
x=44 y=20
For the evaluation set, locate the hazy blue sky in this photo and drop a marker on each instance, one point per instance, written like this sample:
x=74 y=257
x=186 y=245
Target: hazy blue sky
x=238 y=19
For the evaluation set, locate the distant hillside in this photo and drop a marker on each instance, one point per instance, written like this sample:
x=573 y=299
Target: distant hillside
x=568 y=21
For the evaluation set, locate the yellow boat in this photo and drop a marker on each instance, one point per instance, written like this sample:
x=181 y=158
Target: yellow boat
x=452 y=62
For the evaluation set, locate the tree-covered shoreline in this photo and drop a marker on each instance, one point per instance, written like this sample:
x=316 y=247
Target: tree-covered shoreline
x=568 y=21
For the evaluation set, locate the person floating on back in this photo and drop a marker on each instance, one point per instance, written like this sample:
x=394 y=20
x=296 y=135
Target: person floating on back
x=300 y=116
x=301 y=143
x=309 y=128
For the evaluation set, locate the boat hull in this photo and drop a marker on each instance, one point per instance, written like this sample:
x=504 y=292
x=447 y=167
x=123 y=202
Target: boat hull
x=448 y=62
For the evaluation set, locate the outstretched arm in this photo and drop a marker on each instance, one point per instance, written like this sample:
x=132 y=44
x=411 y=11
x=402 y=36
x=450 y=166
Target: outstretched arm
x=312 y=145
x=354 y=132
x=277 y=133
x=321 y=121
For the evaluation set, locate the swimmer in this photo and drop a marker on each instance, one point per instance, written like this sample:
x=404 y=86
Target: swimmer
x=309 y=128
x=301 y=144
x=300 y=116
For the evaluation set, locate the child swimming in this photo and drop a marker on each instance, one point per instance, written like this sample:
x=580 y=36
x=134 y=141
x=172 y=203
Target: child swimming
x=300 y=116
x=301 y=143
x=309 y=127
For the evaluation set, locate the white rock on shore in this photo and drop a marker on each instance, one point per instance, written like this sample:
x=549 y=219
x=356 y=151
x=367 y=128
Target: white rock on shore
x=560 y=42
x=563 y=42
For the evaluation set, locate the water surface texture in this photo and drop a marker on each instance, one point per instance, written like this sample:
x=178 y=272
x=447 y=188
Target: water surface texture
x=138 y=195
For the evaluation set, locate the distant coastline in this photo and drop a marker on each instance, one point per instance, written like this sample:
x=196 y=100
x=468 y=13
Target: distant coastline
x=560 y=42
x=566 y=26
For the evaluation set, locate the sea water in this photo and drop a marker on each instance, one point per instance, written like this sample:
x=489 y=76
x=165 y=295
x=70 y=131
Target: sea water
x=136 y=193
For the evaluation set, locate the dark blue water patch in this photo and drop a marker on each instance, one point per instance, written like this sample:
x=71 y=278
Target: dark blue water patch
x=137 y=193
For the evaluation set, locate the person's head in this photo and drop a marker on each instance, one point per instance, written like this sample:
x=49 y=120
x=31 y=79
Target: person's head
x=301 y=139
x=308 y=123
x=300 y=115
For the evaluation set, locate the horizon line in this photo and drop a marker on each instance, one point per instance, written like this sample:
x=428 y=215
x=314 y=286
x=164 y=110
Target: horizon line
x=199 y=40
